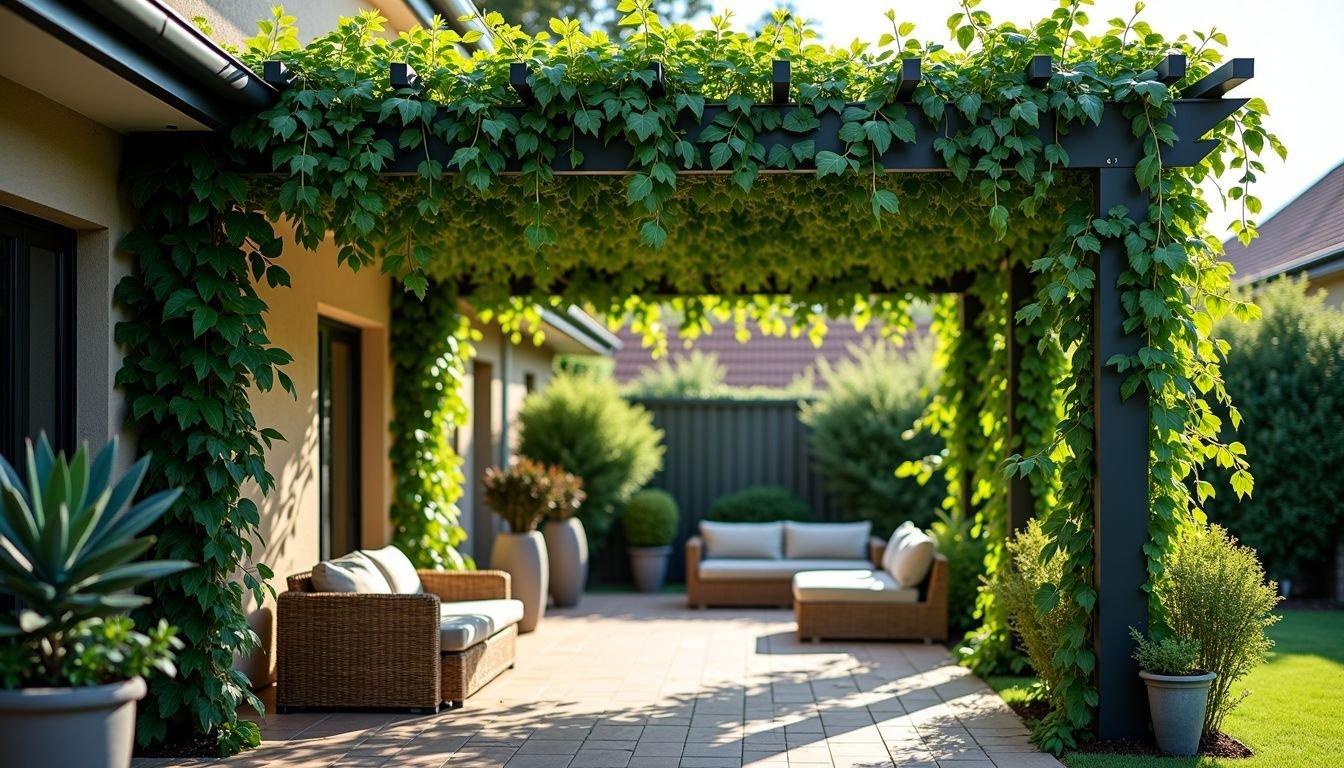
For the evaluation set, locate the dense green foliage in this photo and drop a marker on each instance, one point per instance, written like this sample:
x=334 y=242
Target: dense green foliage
x=1284 y=373
x=583 y=425
x=1169 y=655
x=71 y=537
x=759 y=504
x=196 y=350
x=1215 y=592
x=650 y=519
x=431 y=346
x=1033 y=567
x=198 y=334
x=952 y=535
x=862 y=431
x=696 y=375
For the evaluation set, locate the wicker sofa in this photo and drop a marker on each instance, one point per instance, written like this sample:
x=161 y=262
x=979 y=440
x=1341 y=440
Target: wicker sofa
x=763 y=579
x=380 y=651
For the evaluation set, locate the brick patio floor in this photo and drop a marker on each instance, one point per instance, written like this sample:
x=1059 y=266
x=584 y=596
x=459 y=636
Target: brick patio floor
x=639 y=681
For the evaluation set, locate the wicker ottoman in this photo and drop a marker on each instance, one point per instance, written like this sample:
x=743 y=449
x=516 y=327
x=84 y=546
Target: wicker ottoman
x=867 y=605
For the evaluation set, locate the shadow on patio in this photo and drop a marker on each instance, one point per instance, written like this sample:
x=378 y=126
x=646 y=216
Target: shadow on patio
x=639 y=681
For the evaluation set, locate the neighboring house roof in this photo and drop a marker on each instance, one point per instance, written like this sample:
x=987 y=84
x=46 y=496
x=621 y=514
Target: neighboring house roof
x=1307 y=235
x=587 y=334
x=763 y=361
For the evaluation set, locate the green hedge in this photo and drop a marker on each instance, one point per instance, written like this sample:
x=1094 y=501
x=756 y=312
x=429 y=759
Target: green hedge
x=759 y=504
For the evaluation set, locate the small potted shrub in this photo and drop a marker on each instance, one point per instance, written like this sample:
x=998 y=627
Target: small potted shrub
x=72 y=663
x=1178 y=692
x=650 y=525
x=521 y=496
x=566 y=539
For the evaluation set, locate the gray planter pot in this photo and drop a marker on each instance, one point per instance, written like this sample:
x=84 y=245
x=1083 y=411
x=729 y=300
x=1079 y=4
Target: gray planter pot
x=567 y=551
x=91 y=727
x=523 y=555
x=1177 y=703
x=649 y=565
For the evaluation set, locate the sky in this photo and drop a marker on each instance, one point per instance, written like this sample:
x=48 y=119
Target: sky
x=1296 y=44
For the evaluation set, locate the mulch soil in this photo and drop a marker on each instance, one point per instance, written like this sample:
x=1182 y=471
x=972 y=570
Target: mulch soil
x=194 y=745
x=1216 y=744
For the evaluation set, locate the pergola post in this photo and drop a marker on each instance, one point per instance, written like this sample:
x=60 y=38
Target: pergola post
x=1021 y=503
x=1120 y=483
x=971 y=310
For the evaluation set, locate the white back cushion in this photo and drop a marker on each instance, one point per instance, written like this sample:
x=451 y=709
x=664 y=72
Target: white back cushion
x=894 y=543
x=914 y=558
x=744 y=540
x=827 y=540
x=397 y=568
x=354 y=572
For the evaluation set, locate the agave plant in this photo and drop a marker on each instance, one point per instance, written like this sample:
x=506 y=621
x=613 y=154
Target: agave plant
x=69 y=540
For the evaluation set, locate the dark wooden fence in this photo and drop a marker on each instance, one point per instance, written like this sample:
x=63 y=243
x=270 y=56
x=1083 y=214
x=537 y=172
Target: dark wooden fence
x=716 y=447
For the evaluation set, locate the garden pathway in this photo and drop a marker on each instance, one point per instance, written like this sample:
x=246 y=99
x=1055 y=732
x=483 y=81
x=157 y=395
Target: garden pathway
x=639 y=681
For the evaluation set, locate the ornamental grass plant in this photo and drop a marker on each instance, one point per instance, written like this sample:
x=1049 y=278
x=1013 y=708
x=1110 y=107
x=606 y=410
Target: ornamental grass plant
x=1017 y=588
x=1214 y=591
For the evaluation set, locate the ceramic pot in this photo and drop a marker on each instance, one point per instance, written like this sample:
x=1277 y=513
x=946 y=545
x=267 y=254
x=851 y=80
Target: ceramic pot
x=523 y=556
x=1177 y=703
x=649 y=565
x=90 y=727
x=567 y=551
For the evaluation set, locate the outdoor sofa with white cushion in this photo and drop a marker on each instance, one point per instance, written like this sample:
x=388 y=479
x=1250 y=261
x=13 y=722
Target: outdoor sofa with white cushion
x=903 y=598
x=370 y=631
x=753 y=564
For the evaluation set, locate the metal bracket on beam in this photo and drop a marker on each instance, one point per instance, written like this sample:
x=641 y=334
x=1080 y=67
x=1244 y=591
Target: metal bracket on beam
x=781 y=77
x=518 y=82
x=1221 y=80
x=1172 y=68
x=277 y=75
x=403 y=75
x=656 y=90
x=1039 y=70
x=910 y=77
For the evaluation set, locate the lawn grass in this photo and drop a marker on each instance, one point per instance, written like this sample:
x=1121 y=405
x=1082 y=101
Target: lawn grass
x=1294 y=717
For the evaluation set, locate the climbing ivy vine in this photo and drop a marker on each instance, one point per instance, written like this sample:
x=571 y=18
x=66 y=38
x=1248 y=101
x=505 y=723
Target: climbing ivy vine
x=495 y=222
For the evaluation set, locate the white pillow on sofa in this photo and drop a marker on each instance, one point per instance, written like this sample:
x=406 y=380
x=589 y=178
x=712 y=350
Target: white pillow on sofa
x=838 y=541
x=354 y=572
x=397 y=568
x=913 y=559
x=745 y=540
x=894 y=543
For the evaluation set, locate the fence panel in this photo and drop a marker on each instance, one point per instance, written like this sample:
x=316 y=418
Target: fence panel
x=716 y=447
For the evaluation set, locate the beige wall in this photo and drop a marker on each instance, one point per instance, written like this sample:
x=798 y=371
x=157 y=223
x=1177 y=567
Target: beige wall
x=60 y=166
x=290 y=514
x=1333 y=285
x=232 y=21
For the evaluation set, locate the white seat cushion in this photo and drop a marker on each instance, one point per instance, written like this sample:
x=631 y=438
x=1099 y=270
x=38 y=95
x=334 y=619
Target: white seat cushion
x=852 y=586
x=757 y=569
x=743 y=540
x=913 y=559
x=354 y=572
x=894 y=543
x=466 y=623
x=827 y=541
x=397 y=569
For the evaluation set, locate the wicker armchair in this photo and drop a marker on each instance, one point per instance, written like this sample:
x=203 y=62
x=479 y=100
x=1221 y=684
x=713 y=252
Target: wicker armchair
x=338 y=650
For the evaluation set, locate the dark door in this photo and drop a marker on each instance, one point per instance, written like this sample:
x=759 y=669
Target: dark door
x=36 y=333
x=338 y=437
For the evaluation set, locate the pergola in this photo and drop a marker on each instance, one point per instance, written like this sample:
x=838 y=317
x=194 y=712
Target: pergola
x=1106 y=150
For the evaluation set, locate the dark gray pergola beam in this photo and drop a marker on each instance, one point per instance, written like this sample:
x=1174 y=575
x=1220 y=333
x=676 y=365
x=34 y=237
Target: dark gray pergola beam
x=518 y=82
x=1221 y=80
x=910 y=76
x=402 y=75
x=781 y=79
x=1172 y=69
x=1021 y=292
x=1039 y=70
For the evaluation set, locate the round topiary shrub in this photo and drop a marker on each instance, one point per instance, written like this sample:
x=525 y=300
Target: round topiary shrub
x=759 y=504
x=650 y=519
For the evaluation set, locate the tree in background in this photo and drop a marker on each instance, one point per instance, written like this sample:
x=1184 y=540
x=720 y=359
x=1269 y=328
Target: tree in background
x=699 y=374
x=1285 y=373
x=861 y=432
x=534 y=15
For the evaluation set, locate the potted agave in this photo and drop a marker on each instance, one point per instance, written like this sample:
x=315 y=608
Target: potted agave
x=650 y=524
x=566 y=540
x=1178 y=693
x=72 y=663
x=521 y=495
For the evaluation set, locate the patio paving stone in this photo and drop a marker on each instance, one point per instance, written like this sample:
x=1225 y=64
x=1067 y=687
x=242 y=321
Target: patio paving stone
x=640 y=681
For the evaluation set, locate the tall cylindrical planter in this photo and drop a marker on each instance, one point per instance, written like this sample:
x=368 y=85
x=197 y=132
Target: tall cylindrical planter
x=91 y=727
x=649 y=566
x=567 y=551
x=1177 y=703
x=523 y=555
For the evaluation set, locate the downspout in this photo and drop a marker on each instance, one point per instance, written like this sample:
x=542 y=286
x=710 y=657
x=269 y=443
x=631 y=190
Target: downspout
x=504 y=348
